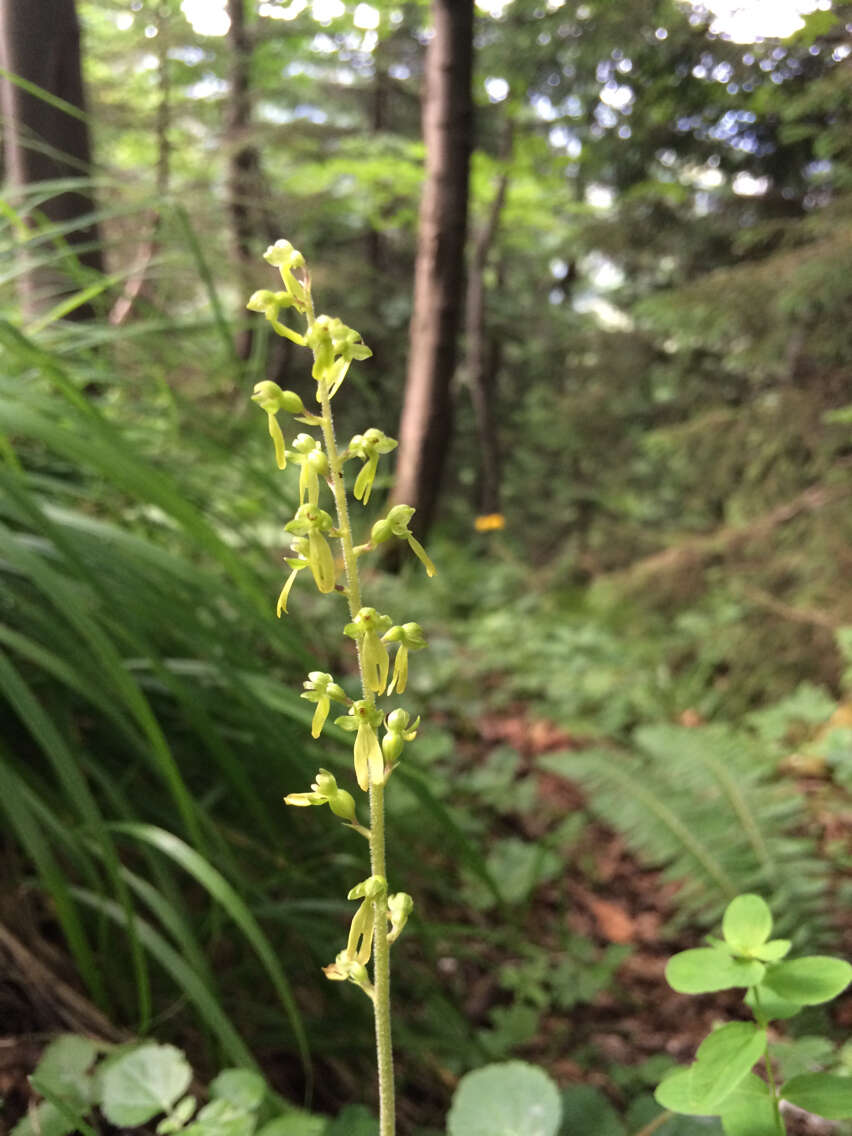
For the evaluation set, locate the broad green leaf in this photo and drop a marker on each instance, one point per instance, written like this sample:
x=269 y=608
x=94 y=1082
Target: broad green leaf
x=221 y=1118
x=703 y=970
x=810 y=980
x=772 y=951
x=675 y=1094
x=509 y=1099
x=586 y=1109
x=143 y=1083
x=645 y=1111
x=826 y=1094
x=63 y=1069
x=301 y=1124
x=242 y=1087
x=723 y=1060
x=760 y=999
x=748 y=1111
x=45 y=1120
x=747 y=923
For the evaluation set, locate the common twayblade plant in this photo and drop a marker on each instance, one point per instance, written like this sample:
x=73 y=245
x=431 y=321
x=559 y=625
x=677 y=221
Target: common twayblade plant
x=381 y=731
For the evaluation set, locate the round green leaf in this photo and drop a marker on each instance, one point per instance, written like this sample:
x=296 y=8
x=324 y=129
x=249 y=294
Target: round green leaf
x=771 y=1007
x=810 y=980
x=221 y=1118
x=826 y=1094
x=142 y=1083
x=772 y=951
x=723 y=1060
x=508 y=1099
x=241 y=1087
x=45 y=1120
x=63 y=1070
x=703 y=970
x=675 y=1094
x=748 y=1110
x=747 y=922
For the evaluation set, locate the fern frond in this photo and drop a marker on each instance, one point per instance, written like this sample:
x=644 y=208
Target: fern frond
x=704 y=805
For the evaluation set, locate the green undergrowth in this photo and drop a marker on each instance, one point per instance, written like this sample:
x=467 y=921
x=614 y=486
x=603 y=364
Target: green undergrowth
x=705 y=792
x=149 y=736
x=149 y=732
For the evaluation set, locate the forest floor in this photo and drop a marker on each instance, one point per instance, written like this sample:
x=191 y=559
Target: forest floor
x=617 y=1040
x=620 y=1039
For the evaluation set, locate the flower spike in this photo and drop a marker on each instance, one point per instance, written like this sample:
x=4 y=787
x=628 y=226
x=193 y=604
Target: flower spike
x=380 y=917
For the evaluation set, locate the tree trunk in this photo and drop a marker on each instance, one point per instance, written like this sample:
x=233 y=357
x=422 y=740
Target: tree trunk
x=426 y=422
x=136 y=284
x=480 y=361
x=243 y=179
x=40 y=43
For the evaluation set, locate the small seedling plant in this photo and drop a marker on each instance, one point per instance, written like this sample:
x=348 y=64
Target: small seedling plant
x=721 y=1082
x=381 y=733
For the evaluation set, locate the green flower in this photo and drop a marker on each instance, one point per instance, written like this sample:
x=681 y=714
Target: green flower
x=396 y=524
x=308 y=453
x=374 y=887
x=368 y=447
x=369 y=762
x=334 y=346
x=271 y=398
x=398 y=732
x=315 y=523
x=271 y=303
x=410 y=638
x=324 y=791
x=366 y=628
x=296 y=564
x=400 y=906
x=289 y=261
x=268 y=396
x=321 y=688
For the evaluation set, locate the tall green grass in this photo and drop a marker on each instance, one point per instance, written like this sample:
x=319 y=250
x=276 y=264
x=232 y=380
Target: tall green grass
x=149 y=728
x=149 y=713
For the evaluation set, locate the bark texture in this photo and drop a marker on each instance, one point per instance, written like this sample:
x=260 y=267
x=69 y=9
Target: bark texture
x=244 y=179
x=426 y=424
x=40 y=42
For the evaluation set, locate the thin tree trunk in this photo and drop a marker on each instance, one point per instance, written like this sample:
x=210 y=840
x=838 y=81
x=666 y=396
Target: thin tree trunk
x=243 y=180
x=480 y=359
x=164 y=101
x=40 y=43
x=135 y=286
x=426 y=423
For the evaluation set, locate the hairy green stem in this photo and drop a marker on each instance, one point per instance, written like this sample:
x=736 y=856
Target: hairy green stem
x=381 y=948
